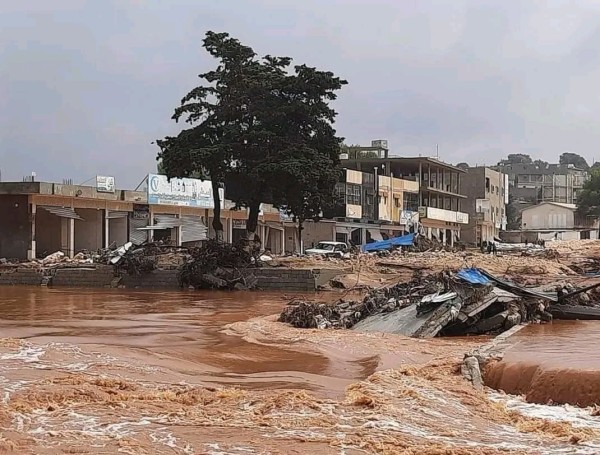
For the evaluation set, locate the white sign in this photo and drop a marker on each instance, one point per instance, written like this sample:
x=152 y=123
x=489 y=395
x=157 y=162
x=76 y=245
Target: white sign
x=185 y=192
x=408 y=217
x=105 y=184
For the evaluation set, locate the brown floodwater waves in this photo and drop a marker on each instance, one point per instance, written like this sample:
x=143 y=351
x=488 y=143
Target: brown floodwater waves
x=180 y=333
x=551 y=363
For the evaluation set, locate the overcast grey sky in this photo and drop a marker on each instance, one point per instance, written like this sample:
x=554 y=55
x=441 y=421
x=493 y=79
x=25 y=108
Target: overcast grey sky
x=86 y=86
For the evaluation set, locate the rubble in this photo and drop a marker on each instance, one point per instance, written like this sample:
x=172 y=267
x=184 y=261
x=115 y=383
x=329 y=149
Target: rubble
x=468 y=302
x=217 y=265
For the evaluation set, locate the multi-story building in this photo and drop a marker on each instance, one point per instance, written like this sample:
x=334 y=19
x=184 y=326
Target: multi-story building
x=438 y=198
x=361 y=216
x=487 y=196
x=544 y=182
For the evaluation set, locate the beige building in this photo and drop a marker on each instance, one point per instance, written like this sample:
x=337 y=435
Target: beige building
x=40 y=218
x=438 y=200
x=558 y=220
x=487 y=192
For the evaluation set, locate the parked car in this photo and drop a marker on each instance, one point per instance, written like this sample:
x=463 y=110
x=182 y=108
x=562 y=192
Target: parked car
x=328 y=249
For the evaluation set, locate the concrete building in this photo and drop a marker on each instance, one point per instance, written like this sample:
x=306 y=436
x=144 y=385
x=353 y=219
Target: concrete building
x=544 y=183
x=487 y=196
x=40 y=218
x=438 y=197
x=372 y=206
x=557 y=220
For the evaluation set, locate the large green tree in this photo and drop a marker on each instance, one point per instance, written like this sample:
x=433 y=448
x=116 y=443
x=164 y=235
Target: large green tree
x=259 y=127
x=516 y=158
x=573 y=158
x=588 y=200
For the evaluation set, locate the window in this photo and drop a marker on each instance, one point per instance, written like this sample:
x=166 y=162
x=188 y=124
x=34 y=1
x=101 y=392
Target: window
x=487 y=184
x=397 y=202
x=340 y=190
x=353 y=194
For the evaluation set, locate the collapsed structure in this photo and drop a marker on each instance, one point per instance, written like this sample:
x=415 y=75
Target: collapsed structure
x=470 y=301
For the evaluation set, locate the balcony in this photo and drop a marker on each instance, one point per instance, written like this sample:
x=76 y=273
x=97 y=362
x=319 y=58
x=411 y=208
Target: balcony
x=444 y=215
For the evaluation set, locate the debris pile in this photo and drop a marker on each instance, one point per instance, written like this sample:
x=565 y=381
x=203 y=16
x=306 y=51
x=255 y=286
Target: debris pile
x=468 y=302
x=346 y=314
x=131 y=259
x=217 y=265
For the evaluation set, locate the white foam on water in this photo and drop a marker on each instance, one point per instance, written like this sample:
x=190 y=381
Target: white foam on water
x=215 y=449
x=578 y=417
x=162 y=436
x=28 y=354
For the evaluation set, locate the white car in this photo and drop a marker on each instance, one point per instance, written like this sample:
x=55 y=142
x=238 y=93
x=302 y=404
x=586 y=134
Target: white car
x=328 y=249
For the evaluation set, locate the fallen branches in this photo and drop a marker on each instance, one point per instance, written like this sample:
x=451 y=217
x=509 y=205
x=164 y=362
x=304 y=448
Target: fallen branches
x=217 y=265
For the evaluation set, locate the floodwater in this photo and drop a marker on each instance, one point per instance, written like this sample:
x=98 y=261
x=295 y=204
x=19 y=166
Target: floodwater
x=180 y=332
x=552 y=363
x=135 y=372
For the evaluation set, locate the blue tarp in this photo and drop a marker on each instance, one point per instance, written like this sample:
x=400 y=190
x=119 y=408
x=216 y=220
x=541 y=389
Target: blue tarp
x=405 y=240
x=473 y=276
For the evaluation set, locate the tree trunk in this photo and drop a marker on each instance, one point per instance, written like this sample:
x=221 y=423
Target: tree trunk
x=253 y=242
x=252 y=223
x=216 y=222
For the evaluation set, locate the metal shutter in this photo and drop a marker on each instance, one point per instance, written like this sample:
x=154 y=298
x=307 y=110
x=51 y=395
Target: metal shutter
x=193 y=229
x=136 y=236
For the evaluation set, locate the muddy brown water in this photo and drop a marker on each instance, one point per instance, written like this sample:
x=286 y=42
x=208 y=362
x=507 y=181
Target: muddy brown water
x=181 y=332
x=557 y=362
x=122 y=371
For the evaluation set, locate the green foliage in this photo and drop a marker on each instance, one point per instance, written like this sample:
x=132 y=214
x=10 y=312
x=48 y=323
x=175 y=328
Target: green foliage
x=263 y=130
x=588 y=201
x=517 y=158
x=573 y=158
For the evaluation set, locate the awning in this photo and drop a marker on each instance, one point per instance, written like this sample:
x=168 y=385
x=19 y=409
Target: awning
x=63 y=212
x=114 y=215
x=163 y=222
x=375 y=234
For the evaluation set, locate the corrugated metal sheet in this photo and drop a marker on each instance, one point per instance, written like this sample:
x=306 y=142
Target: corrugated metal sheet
x=193 y=229
x=63 y=212
x=164 y=222
x=137 y=236
x=113 y=215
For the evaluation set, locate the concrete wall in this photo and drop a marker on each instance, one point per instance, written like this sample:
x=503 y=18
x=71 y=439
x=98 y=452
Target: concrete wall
x=15 y=229
x=89 y=233
x=21 y=276
x=314 y=233
x=277 y=279
x=92 y=277
x=48 y=232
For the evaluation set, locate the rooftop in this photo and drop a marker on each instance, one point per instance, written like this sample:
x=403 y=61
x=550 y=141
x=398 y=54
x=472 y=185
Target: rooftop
x=409 y=161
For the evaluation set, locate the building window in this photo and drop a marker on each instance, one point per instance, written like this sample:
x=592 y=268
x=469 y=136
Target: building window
x=353 y=194
x=397 y=202
x=487 y=185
